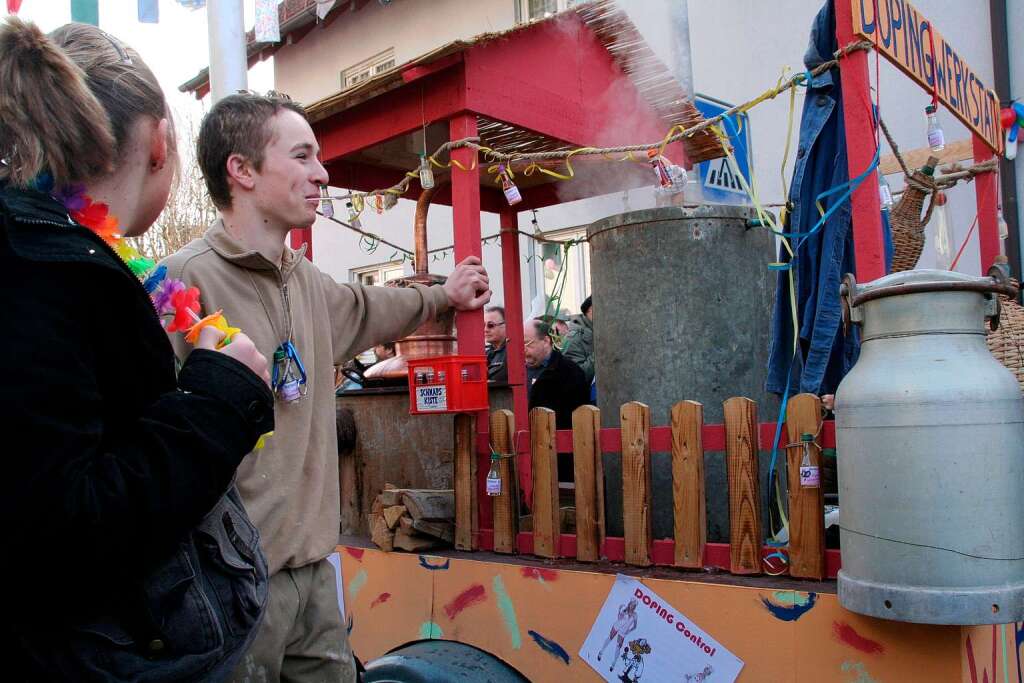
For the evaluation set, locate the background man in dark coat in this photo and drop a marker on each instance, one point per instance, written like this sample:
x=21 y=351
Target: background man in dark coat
x=554 y=382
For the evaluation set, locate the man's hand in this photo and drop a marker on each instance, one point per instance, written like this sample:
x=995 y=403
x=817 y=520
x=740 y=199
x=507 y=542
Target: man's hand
x=241 y=349
x=468 y=287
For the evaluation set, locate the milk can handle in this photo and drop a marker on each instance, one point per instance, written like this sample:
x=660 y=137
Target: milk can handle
x=847 y=290
x=997 y=283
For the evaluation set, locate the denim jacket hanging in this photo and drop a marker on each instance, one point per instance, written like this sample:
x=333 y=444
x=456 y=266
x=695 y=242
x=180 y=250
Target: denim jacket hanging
x=824 y=353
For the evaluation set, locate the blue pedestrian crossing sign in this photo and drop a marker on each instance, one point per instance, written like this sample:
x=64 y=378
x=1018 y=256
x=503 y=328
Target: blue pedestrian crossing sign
x=718 y=176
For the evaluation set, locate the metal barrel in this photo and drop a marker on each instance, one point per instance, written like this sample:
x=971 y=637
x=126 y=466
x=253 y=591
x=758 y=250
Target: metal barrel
x=682 y=308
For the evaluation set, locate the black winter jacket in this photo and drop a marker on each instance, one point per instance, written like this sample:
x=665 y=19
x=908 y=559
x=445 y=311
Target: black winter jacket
x=562 y=387
x=113 y=567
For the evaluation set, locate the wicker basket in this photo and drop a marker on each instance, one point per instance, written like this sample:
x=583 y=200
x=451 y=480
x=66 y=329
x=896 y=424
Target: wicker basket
x=1007 y=343
x=908 y=225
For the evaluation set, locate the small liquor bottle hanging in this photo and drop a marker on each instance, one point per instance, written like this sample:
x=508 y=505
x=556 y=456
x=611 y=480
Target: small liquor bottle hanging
x=936 y=138
x=353 y=215
x=494 y=476
x=326 y=205
x=943 y=233
x=509 y=188
x=810 y=474
x=660 y=169
x=426 y=175
x=884 y=192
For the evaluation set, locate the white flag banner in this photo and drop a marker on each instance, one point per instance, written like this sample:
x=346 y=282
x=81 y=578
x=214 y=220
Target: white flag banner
x=323 y=7
x=638 y=636
x=268 y=29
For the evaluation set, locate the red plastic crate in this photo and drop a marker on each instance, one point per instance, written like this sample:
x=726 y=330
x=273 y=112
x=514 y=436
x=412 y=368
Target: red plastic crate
x=448 y=384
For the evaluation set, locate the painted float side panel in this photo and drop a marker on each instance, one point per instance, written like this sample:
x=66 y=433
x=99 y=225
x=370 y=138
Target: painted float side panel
x=536 y=618
x=388 y=600
x=992 y=653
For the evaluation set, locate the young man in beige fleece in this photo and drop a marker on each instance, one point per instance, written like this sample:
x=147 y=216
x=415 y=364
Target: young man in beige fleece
x=259 y=158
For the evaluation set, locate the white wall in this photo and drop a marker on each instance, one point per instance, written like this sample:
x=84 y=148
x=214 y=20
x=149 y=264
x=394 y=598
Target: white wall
x=739 y=49
x=312 y=69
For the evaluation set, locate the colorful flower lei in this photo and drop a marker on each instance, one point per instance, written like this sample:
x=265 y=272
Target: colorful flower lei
x=169 y=295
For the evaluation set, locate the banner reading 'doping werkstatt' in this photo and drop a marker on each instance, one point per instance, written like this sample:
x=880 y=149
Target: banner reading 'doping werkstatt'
x=638 y=636
x=906 y=38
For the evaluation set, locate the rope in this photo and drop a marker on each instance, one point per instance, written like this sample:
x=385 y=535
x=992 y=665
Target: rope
x=941 y=182
x=948 y=180
x=370 y=239
x=894 y=147
x=676 y=134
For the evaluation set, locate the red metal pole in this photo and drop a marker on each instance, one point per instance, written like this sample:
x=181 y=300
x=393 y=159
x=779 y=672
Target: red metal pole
x=466 y=218
x=986 y=193
x=511 y=272
x=868 y=244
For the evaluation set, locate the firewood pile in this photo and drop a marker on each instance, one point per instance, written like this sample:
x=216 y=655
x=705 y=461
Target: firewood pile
x=413 y=520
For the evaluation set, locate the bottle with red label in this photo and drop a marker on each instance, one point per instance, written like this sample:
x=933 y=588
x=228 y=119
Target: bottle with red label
x=509 y=188
x=660 y=167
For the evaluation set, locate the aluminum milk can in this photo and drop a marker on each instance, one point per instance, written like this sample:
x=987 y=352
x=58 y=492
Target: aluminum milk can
x=930 y=447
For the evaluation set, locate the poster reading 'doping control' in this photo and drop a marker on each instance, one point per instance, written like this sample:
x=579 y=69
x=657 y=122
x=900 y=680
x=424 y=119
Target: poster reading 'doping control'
x=640 y=637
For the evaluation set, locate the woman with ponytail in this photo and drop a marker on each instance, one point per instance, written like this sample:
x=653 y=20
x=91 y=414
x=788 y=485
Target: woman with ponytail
x=128 y=556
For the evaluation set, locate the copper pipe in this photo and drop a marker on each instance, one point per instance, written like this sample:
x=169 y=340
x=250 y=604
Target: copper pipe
x=420 y=230
x=434 y=337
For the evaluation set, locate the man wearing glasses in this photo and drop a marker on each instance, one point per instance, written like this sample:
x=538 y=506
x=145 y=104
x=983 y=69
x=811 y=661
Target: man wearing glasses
x=554 y=381
x=495 y=335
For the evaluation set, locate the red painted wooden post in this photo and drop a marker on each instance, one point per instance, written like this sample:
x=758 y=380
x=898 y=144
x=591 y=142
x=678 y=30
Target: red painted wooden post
x=298 y=236
x=987 y=196
x=511 y=274
x=466 y=217
x=868 y=244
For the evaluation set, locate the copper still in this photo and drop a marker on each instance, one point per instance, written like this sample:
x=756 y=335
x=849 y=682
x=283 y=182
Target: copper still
x=434 y=337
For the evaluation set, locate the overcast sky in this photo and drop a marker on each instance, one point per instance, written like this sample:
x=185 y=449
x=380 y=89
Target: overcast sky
x=175 y=49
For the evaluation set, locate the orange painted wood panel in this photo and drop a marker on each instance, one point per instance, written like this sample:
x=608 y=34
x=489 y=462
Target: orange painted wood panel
x=780 y=634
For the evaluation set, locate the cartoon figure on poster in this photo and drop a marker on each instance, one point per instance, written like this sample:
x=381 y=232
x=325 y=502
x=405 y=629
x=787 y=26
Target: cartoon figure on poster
x=700 y=676
x=624 y=625
x=639 y=636
x=633 y=660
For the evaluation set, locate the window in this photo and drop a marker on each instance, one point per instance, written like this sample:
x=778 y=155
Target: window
x=577 y=276
x=531 y=10
x=377 y=274
x=367 y=69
